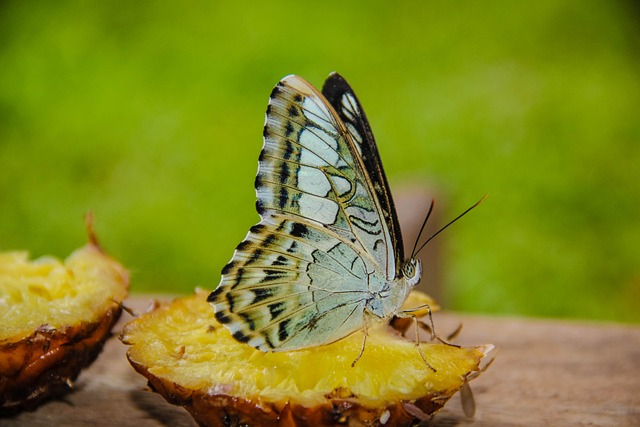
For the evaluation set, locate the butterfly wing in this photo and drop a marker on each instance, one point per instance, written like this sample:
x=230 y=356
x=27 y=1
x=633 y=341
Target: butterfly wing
x=345 y=102
x=303 y=275
x=289 y=286
x=311 y=166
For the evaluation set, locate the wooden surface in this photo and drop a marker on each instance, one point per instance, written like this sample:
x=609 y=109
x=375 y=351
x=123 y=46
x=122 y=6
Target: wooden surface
x=546 y=373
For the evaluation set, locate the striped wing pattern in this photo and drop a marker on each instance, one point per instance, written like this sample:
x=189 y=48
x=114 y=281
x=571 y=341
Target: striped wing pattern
x=310 y=166
x=268 y=299
x=307 y=272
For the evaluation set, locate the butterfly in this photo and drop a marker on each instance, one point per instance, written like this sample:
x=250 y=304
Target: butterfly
x=326 y=257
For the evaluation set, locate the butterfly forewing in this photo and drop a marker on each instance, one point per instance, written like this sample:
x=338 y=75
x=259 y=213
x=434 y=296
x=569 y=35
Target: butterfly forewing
x=303 y=276
x=346 y=104
x=311 y=166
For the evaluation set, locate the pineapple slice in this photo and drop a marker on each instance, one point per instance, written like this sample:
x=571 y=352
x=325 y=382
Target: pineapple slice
x=55 y=319
x=192 y=360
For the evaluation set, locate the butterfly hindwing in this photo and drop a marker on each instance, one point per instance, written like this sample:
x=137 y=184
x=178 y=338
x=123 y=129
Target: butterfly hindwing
x=284 y=280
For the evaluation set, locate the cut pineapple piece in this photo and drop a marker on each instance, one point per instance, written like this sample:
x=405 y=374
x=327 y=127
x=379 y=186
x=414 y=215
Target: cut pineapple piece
x=193 y=361
x=55 y=318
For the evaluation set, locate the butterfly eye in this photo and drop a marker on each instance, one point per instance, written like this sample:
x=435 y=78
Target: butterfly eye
x=409 y=270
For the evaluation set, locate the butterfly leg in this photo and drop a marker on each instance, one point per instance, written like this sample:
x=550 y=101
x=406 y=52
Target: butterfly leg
x=417 y=344
x=429 y=327
x=364 y=342
x=436 y=337
x=409 y=314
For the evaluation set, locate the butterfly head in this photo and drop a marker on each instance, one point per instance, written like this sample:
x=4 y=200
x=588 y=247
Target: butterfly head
x=412 y=270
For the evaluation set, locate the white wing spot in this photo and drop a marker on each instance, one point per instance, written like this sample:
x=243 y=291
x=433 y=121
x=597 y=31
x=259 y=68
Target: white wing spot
x=314 y=181
x=342 y=185
x=318 y=209
x=308 y=157
x=316 y=113
x=323 y=144
x=350 y=106
x=354 y=133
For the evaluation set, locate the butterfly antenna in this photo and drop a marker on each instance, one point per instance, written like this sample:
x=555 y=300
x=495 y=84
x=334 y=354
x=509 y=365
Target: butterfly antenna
x=415 y=245
x=450 y=222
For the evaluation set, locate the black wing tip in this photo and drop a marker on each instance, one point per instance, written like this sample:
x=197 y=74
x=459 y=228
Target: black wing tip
x=335 y=81
x=335 y=76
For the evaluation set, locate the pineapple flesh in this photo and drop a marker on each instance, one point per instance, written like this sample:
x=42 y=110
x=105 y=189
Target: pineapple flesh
x=193 y=361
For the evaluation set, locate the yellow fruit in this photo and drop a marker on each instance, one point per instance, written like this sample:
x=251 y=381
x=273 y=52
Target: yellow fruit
x=54 y=320
x=193 y=361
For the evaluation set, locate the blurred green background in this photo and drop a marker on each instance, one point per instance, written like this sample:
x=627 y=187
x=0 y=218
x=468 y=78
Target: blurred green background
x=150 y=114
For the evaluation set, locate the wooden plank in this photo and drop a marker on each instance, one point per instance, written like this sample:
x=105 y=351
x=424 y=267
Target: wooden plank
x=551 y=373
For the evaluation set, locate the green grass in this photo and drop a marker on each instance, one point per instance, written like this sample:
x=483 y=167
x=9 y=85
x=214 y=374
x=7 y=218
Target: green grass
x=150 y=114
